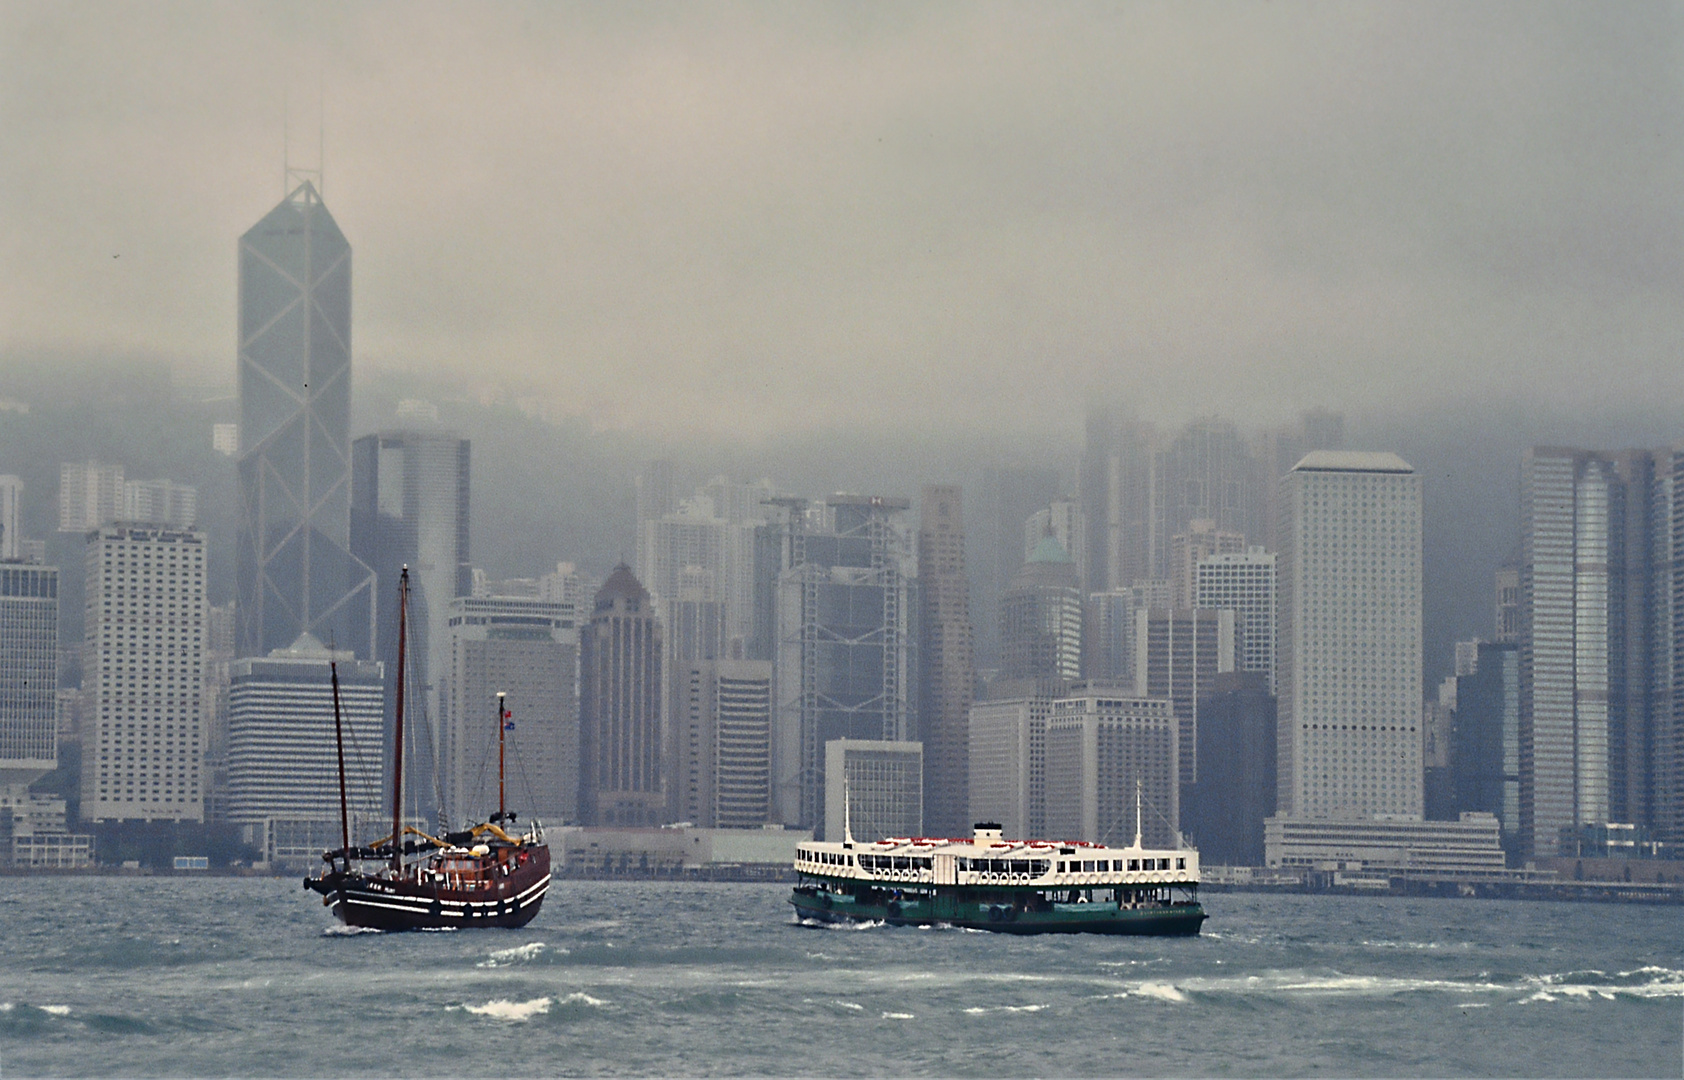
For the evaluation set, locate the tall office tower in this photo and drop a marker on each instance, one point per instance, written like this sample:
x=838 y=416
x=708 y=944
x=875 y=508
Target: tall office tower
x=143 y=751
x=294 y=570
x=28 y=676
x=622 y=777
x=994 y=541
x=1245 y=584
x=1508 y=604
x=1064 y=519
x=1438 y=725
x=11 y=517
x=883 y=780
x=527 y=650
x=743 y=508
x=1592 y=625
x=1008 y=756
x=1348 y=658
x=1666 y=667
x=1101 y=748
x=1485 y=763
x=1205 y=473
x=160 y=502
x=1117 y=499
x=1225 y=810
x=1178 y=652
x=89 y=495
x=656 y=487
x=1041 y=617
x=409 y=507
x=723 y=764
x=847 y=641
x=948 y=667
x=219 y=661
x=1201 y=540
x=225 y=439
x=1277 y=451
x=1108 y=642
x=683 y=564
x=283 y=752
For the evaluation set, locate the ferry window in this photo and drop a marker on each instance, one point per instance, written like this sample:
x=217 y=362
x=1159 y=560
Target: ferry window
x=1104 y=866
x=1039 y=867
x=1087 y=866
x=962 y=864
x=1062 y=866
x=1181 y=864
x=1163 y=864
x=1020 y=866
x=1134 y=864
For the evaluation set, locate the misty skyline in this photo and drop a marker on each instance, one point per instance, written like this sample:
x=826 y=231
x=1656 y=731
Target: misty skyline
x=748 y=221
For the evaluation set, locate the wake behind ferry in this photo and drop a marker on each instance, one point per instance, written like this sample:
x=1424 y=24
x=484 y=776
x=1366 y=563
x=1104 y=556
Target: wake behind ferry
x=991 y=883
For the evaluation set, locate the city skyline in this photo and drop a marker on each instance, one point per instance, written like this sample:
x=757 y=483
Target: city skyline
x=1191 y=212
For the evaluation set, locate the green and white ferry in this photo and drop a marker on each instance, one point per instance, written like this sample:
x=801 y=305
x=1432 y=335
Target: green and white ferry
x=991 y=883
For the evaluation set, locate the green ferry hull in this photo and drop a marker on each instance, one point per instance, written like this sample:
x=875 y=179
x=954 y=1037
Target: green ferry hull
x=1175 y=920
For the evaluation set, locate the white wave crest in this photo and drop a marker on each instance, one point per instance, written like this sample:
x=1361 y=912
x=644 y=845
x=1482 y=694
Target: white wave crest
x=56 y=1010
x=341 y=930
x=850 y=1005
x=897 y=1016
x=518 y=954
x=579 y=997
x=1159 y=991
x=513 y=1011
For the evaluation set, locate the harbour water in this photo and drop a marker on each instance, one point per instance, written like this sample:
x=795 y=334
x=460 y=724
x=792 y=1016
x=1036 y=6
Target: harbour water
x=226 y=976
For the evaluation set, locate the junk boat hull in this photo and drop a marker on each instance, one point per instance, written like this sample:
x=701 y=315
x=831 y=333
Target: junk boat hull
x=436 y=899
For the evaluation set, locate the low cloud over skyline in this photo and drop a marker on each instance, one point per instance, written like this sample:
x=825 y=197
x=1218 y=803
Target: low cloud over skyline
x=751 y=220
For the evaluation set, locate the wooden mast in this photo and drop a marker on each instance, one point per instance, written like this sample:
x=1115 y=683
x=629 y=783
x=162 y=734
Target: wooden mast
x=339 y=743
x=397 y=735
x=502 y=720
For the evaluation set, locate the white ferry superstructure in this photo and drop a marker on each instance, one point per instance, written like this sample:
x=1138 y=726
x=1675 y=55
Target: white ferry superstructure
x=990 y=883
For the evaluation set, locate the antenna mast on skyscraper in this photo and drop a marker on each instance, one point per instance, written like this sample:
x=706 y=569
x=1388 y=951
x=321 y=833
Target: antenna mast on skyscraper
x=293 y=177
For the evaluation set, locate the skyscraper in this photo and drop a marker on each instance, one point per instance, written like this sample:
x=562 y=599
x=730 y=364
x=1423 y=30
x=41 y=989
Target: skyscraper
x=884 y=788
x=1062 y=518
x=1103 y=748
x=1587 y=628
x=994 y=541
x=1205 y=473
x=1008 y=759
x=283 y=760
x=1178 y=652
x=1201 y=540
x=847 y=638
x=623 y=744
x=11 y=517
x=160 y=502
x=1235 y=793
x=143 y=747
x=1041 y=617
x=293 y=565
x=409 y=507
x=1349 y=649
x=1485 y=763
x=90 y=494
x=722 y=772
x=948 y=666
x=28 y=673
x=1245 y=584
x=1117 y=497
x=528 y=650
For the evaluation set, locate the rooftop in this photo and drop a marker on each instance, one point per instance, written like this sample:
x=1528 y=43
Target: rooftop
x=1352 y=461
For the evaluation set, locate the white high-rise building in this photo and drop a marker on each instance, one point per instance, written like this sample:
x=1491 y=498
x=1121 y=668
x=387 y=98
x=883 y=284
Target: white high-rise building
x=282 y=749
x=1245 y=584
x=28 y=673
x=89 y=495
x=11 y=517
x=884 y=784
x=1008 y=759
x=143 y=744
x=1349 y=662
x=160 y=502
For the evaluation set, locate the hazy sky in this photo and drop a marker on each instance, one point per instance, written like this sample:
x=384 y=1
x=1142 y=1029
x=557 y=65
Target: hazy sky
x=756 y=219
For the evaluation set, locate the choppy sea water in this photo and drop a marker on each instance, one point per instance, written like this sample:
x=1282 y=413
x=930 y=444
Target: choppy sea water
x=218 y=976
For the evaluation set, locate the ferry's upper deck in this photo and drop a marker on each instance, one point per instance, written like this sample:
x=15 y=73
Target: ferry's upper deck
x=987 y=859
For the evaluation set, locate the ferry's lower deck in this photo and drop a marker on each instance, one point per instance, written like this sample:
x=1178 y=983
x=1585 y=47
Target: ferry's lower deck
x=1123 y=909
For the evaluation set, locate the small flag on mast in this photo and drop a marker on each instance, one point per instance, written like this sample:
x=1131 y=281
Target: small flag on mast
x=508 y=720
